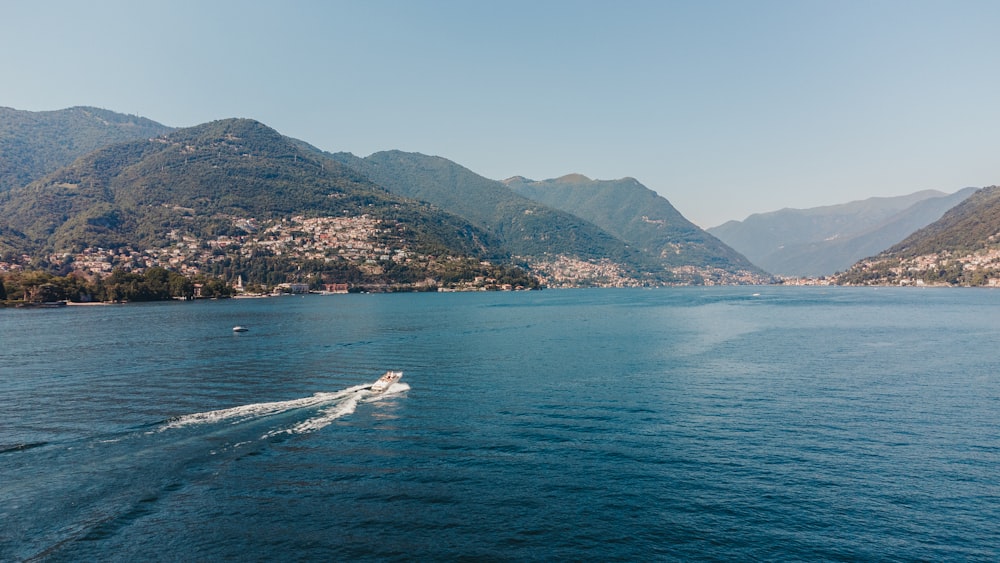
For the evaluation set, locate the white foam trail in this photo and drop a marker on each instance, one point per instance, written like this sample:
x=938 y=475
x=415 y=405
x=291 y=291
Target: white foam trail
x=341 y=403
x=325 y=417
x=332 y=413
x=259 y=410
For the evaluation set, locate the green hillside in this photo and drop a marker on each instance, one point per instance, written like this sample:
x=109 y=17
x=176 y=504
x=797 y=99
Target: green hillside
x=89 y=190
x=32 y=144
x=968 y=227
x=529 y=229
x=961 y=248
x=634 y=213
x=218 y=188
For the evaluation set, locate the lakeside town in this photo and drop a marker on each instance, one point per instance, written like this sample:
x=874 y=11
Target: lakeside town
x=364 y=250
x=365 y=244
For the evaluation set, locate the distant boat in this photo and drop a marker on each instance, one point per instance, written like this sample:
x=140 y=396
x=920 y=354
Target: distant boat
x=238 y=328
x=386 y=381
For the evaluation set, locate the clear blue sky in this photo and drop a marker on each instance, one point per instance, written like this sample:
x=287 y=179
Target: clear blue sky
x=726 y=108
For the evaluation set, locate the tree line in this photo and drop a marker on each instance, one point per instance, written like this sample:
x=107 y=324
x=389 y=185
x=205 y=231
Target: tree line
x=155 y=284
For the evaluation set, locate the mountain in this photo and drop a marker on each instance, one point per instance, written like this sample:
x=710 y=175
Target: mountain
x=960 y=248
x=641 y=217
x=823 y=240
x=32 y=144
x=236 y=198
x=559 y=244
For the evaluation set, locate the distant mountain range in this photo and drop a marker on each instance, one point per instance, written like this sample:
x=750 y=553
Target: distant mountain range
x=90 y=190
x=234 y=198
x=237 y=199
x=960 y=248
x=824 y=240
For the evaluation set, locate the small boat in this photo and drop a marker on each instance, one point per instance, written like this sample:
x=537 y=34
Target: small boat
x=238 y=328
x=386 y=381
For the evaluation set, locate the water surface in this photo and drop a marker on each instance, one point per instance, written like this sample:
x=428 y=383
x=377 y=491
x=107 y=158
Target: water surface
x=673 y=424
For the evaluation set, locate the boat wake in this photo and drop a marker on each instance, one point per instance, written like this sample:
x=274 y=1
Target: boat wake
x=331 y=406
x=95 y=489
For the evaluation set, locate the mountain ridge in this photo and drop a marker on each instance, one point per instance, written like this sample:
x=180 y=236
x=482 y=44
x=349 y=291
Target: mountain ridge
x=960 y=248
x=235 y=197
x=823 y=240
x=638 y=215
x=33 y=144
x=550 y=240
x=151 y=181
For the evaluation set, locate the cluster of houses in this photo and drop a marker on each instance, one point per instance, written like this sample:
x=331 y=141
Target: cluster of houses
x=362 y=240
x=570 y=272
x=564 y=271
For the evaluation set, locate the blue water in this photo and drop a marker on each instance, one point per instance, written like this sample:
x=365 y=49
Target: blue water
x=672 y=424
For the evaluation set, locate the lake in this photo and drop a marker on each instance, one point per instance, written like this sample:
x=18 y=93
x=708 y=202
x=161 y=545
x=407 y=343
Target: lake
x=685 y=424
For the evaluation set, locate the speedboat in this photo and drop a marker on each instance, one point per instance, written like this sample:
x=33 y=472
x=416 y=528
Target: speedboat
x=386 y=381
x=240 y=328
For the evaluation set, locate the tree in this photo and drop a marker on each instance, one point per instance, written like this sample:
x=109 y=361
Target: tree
x=158 y=282
x=180 y=286
x=48 y=293
x=3 y=291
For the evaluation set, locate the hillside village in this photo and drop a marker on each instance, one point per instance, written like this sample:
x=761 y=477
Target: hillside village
x=980 y=268
x=371 y=245
x=368 y=243
x=329 y=238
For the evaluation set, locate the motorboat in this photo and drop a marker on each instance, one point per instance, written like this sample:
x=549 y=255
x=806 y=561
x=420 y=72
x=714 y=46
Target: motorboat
x=238 y=328
x=386 y=381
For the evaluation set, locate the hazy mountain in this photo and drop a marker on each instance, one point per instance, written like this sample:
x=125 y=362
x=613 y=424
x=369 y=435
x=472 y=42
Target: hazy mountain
x=213 y=186
x=634 y=213
x=528 y=228
x=824 y=240
x=960 y=248
x=33 y=144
